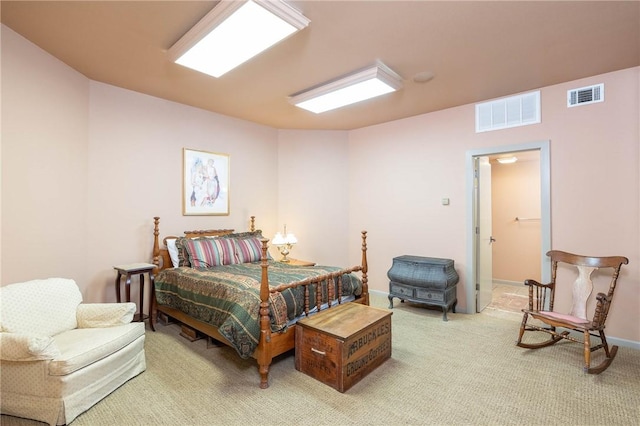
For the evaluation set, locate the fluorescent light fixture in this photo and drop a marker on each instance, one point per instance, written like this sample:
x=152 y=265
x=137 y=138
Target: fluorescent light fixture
x=233 y=32
x=507 y=160
x=359 y=86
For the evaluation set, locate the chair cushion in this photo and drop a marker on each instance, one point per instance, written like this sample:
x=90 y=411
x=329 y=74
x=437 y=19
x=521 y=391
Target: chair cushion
x=84 y=346
x=41 y=307
x=565 y=317
x=24 y=347
x=92 y=315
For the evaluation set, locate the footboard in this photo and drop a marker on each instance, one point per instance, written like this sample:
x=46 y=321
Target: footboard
x=274 y=344
x=328 y=291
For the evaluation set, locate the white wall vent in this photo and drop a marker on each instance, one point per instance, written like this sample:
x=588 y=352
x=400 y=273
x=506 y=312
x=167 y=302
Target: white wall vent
x=519 y=110
x=585 y=95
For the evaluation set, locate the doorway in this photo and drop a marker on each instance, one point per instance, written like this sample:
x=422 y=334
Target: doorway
x=480 y=238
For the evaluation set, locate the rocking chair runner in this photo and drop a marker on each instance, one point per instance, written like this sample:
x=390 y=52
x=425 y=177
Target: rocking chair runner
x=541 y=298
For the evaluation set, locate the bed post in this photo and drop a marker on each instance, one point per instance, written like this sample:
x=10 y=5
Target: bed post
x=156 y=245
x=365 y=269
x=263 y=353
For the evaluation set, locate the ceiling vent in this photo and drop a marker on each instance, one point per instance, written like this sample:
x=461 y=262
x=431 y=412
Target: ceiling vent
x=513 y=111
x=585 y=95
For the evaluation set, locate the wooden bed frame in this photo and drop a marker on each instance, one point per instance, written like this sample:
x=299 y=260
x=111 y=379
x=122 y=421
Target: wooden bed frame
x=271 y=344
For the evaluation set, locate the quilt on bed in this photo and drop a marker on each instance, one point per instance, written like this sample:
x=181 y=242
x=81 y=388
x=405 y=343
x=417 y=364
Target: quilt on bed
x=228 y=297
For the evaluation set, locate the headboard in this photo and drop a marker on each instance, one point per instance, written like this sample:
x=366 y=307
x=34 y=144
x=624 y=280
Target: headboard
x=161 y=257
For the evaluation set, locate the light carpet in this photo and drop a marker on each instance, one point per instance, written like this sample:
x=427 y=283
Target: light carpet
x=466 y=371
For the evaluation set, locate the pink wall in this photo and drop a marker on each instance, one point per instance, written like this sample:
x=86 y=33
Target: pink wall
x=45 y=123
x=313 y=169
x=85 y=166
x=401 y=170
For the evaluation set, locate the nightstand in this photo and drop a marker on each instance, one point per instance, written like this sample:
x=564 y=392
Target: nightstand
x=127 y=271
x=298 y=262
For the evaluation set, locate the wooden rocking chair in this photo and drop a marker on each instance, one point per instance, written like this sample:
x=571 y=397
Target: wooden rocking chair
x=541 y=298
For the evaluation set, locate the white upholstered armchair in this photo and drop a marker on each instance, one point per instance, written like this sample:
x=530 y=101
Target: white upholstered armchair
x=59 y=356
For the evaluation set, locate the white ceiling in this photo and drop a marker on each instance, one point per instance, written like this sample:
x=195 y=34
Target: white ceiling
x=477 y=50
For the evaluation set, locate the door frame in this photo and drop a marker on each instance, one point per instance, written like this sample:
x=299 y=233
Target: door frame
x=545 y=211
x=483 y=233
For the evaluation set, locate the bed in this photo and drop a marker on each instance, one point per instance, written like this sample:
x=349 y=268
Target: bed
x=226 y=286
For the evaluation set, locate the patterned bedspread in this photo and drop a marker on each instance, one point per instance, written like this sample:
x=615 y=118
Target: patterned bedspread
x=228 y=297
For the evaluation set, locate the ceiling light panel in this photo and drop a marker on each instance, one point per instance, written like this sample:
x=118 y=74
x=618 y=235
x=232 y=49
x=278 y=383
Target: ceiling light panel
x=233 y=32
x=507 y=160
x=366 y=84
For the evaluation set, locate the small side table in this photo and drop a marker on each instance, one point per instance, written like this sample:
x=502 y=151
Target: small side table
x=135 y=269
x=298 y=262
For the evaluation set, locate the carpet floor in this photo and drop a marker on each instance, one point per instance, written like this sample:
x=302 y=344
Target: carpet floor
x=466 y=371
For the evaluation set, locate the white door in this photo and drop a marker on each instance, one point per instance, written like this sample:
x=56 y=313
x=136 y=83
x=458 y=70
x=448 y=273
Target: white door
x=484 y=239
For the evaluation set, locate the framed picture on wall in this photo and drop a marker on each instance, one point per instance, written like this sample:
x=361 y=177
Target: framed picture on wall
x=205 y=183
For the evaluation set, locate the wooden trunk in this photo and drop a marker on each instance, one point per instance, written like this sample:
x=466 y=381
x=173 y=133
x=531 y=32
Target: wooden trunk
x=343 y=344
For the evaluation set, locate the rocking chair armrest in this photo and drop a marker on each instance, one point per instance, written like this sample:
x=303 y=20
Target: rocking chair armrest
x=535 y=283
x=602 y=310
x=538 y=294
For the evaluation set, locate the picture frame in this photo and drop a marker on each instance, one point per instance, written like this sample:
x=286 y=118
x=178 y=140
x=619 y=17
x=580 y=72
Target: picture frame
x=205 y=183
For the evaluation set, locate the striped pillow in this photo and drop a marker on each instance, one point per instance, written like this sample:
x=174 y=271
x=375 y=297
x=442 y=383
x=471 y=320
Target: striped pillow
x=248 y=249
x=207 y=252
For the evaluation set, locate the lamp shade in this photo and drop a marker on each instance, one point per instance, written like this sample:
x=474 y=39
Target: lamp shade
x=278 y=240
x=290 y=239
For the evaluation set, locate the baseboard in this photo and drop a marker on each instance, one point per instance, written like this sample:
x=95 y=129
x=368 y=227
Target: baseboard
x=623 y=342
x=511 y=283
x=379 y=293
